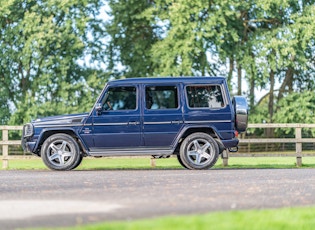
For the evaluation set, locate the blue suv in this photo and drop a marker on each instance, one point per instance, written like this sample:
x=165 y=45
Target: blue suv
x=193 y=118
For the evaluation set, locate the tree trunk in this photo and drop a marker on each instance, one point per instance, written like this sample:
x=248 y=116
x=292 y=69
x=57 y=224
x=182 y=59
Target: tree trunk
x=252 y=91
x=239 y=79
x=287 y=82
x=270 y=131
x=230 y=74
x=271 y=96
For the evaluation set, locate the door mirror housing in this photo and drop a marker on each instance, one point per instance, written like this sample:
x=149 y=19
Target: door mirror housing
x=98 y=108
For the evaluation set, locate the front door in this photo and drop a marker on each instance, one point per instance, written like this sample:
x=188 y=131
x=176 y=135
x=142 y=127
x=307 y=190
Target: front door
x=118 y=125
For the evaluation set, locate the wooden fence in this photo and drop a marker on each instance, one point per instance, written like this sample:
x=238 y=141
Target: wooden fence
x=298 y=140
x=6 y=142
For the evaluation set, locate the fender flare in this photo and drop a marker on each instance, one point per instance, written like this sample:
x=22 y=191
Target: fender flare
x=66 y=130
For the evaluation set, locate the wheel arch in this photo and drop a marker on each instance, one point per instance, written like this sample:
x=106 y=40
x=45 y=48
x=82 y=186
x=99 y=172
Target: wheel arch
x=46 y=133
x=201 y=129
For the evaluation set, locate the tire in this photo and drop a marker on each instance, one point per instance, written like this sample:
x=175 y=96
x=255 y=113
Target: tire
x=78 y=163
x=181 y=162
x=241 y=113
x=199 y=151
x=61 y=152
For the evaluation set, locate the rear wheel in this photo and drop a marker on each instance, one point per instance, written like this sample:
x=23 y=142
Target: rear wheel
x=61 y=152
x=199 y=151
x=181 y=162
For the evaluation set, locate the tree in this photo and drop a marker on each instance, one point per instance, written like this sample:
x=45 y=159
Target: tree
x=130 y=38
x=262 y=43
x=189 y=33
x=41 y=45
x=287 y=45
x=296 y=108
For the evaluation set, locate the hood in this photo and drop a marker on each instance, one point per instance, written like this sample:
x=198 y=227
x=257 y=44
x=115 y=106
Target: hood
x=70 y=119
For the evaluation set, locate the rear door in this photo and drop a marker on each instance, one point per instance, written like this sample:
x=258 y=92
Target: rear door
x=162 y=116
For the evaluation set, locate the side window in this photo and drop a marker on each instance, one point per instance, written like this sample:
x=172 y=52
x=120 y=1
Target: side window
x=204 y=96
x=120 y=98
x=161 y=97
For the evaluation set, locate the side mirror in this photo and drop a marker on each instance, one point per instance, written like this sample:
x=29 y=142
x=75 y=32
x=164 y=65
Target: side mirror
x=98 y=108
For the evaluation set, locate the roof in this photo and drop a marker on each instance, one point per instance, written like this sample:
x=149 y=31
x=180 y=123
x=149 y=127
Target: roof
x=190 y=80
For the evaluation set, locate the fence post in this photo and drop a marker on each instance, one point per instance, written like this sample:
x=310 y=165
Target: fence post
x=225 y=158
x=152 y=161
x=5 y=149
x=298 y=146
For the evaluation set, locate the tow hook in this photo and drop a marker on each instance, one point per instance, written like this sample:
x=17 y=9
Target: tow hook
x=234 y=149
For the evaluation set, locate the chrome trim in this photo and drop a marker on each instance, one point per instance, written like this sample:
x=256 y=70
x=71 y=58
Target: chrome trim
x=111 y=124
x=55 y=125
x=157 y=123
x=213 y=121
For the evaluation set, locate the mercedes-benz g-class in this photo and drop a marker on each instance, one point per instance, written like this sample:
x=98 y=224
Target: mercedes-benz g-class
x=193 y=118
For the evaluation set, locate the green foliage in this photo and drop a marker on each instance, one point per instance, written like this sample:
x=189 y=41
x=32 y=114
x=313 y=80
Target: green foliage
x=130 y=39
x=266 y=40
x=297 y=108
x=42 y=43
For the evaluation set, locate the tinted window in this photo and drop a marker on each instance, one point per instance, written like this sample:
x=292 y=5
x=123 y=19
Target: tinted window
x=205 y=96
x=161 y=97
x=120 y=98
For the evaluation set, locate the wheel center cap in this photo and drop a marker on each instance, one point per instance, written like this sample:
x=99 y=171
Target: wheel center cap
x=59 y=152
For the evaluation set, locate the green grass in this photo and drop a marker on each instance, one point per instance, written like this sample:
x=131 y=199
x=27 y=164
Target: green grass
x=120 y=163
x=285 y=218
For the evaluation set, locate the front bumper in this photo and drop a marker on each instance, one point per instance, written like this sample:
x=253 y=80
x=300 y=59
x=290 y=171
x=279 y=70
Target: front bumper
x=28 y=146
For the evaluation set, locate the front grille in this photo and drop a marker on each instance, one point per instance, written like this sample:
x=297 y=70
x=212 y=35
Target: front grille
x=28 y=130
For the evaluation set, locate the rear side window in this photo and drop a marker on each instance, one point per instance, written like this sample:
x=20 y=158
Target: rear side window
x=161 y=97
x=204 y=96
x=120 y=98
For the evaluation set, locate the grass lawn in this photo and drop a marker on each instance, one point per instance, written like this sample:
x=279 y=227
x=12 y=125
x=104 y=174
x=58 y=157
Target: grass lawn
x=170 y=163
x=279 y=219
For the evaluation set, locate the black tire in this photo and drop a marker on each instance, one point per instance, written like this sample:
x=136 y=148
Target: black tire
x=61 y=152
x=181 y=162
x=199 y=151
x=78 y=163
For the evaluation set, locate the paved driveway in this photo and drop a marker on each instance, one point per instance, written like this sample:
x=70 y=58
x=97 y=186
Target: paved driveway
x=54 y=199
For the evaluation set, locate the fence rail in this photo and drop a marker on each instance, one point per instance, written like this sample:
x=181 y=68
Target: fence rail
x=298 y=140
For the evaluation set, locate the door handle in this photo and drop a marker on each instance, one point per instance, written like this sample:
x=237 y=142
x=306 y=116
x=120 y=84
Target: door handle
x=133 y=123
x=176 y=122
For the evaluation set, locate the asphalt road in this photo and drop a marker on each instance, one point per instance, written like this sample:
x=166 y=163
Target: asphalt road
x=55 y=199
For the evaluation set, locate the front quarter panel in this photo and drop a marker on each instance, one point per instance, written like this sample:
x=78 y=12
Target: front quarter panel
x=43 y=128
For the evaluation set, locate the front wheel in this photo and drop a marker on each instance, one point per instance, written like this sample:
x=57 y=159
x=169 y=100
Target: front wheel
x=199 y=151
x=61 y=152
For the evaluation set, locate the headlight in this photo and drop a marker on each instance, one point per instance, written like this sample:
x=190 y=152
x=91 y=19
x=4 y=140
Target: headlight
x=28 y=130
